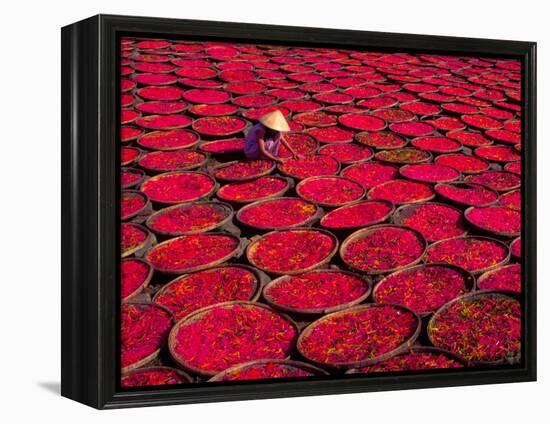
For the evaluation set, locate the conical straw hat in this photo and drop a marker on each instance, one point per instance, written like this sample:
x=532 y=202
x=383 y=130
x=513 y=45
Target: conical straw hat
x=275 y=120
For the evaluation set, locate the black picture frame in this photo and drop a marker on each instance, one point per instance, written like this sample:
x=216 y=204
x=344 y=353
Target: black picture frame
x=90 y=181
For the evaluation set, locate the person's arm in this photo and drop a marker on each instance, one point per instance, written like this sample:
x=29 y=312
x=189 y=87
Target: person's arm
x=287 y=145
x=265 y=153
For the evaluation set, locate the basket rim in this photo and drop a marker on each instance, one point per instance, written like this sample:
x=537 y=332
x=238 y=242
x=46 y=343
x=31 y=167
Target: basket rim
x=327 y=204
x=358 y=135
x=341 y=118
x=177 y=127
x=402 y=347
x=326 y=146
x=488 y=165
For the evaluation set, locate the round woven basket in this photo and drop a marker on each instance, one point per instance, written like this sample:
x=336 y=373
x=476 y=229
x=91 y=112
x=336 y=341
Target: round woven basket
x=483 y=293
x=213 y=170
x=480 y=271
x=199 y=197
x=261 y=280
x=145 y=282
x=151 y=357
x=226 y=208
x=295 y=364
x=486 y=230
x=184 y=376
x=405 y=211
x=366 y=231
x=422 y=349
x=305 y=181
x=307 y=222
x=316 y=311
x=255 y=241
x=236 y=252
x=346 y=365
x=194 y=316
x=469 y=280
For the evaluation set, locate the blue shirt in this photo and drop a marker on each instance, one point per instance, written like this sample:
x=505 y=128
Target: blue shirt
x=252 y=147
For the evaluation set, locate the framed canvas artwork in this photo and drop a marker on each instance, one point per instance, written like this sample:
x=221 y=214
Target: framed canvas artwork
x=256 y=211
